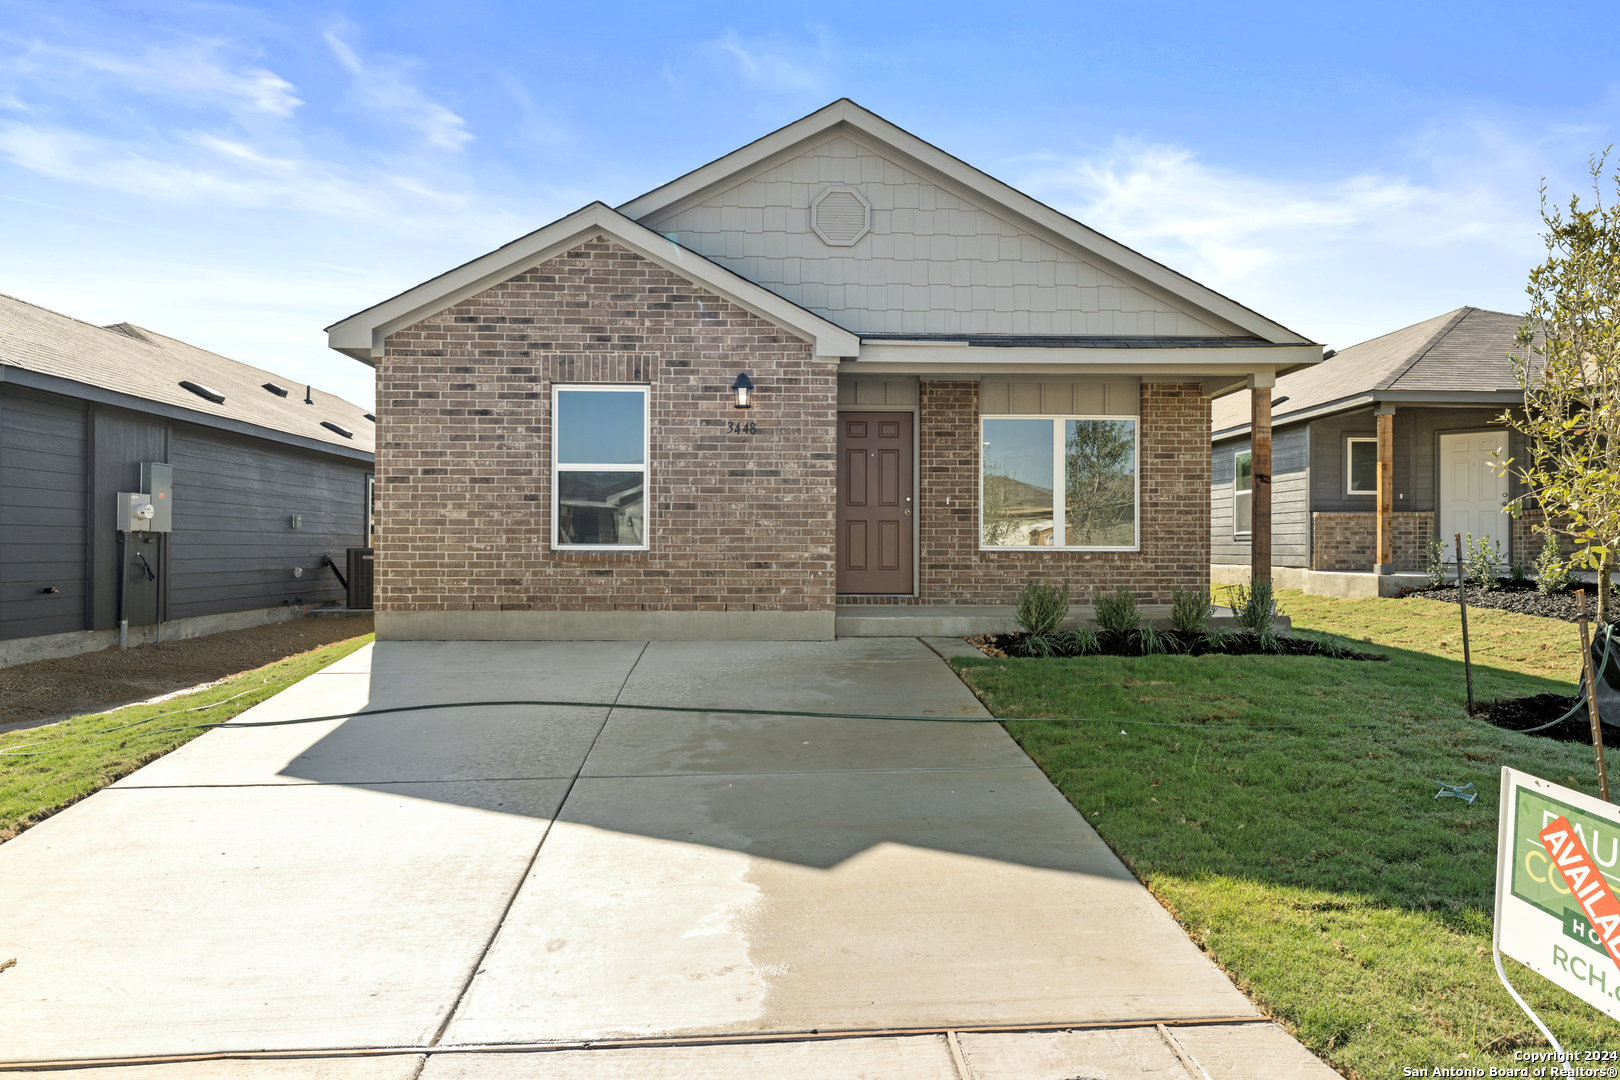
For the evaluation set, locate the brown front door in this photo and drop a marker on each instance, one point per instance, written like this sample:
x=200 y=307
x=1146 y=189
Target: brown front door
x=874 y=502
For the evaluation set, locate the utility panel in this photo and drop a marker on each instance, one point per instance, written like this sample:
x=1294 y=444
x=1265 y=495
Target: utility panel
x=135 y=512
x=157 y=480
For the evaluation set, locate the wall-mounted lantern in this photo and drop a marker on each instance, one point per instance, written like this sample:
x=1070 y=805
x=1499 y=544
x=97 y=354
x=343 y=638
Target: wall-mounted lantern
x=744 y=388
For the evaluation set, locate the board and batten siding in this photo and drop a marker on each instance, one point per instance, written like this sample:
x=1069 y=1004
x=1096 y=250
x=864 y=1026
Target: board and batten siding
x=43 y=455
x=933 y=262
x=234 y=547
x=120 y=441
x=1417 y=433
x=1290 y=498
x=64 y=460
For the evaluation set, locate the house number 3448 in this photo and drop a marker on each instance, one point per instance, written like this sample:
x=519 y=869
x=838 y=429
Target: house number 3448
x=735 y=427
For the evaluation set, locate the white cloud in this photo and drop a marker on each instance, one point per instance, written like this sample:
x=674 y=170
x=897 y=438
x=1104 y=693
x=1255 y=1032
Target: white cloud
x=216 y=170
x=1346 y=258
x=383 y=87
x=191 y=70
x=779 y=67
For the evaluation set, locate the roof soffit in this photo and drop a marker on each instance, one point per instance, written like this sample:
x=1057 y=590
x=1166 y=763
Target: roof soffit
x=847 y=119
x=362 y=334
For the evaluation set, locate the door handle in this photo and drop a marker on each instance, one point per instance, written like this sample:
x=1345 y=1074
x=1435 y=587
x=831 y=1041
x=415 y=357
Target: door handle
x=908 y=512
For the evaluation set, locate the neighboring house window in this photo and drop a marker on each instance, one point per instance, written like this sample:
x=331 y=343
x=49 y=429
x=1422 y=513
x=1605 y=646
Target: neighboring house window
x=1058 y=481
x=1361 y=467
x=599 y=467
x=371 y=511
x=1243 y=494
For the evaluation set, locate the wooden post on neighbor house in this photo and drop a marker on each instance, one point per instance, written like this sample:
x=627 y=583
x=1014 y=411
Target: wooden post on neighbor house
x=1386 y=490
x=1260 y=387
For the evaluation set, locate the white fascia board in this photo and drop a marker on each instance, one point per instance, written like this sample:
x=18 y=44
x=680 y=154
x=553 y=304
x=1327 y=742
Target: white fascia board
x=846 y=113
x=883 y=358
x=362 y=335
x=1430 y=399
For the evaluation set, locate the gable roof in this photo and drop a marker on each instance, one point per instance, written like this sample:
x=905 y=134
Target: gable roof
x=51 y=351
x=980 y=206
x=1460 y=357
x=362 y=334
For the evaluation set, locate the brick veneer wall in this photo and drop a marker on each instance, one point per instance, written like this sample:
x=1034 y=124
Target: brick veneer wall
x=1173 y=518
x=736 y=523
x=1348 y=542
x=1527 y=538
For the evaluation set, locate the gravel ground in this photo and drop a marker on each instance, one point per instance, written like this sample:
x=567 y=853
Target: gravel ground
x=1524 y=599
x=50 y=690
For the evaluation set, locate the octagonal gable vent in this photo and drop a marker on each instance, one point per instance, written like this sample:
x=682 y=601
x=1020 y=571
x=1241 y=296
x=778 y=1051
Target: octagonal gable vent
x=841 y=216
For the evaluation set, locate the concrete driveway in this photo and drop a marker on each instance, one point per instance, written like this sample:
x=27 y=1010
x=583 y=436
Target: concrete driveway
x=475 y=892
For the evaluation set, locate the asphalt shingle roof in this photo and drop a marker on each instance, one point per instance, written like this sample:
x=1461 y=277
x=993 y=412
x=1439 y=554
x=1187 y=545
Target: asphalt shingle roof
x=1463 y=352
x=141 y=363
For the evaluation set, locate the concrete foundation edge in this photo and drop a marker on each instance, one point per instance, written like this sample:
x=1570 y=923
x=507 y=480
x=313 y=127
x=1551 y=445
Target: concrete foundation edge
x=78 y=642
x=1343 y=585
x=604 y=625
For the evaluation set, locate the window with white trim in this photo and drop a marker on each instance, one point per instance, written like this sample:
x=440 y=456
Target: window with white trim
x=599 y=467
x=1361 y=466
x=1243 y=494
x=1058 y=481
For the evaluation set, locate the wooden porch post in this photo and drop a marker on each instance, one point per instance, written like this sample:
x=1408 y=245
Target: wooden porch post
x=1260 y=387
x=1386 y=489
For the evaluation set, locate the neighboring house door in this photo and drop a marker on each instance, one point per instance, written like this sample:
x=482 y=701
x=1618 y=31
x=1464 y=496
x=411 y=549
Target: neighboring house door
x=874 y=502
x=1472 y=495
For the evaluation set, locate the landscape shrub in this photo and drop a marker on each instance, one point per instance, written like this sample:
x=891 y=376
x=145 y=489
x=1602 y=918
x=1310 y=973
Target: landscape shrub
x=1254 y=606
x=1081 y=642
x=1552 y=576
x=1435 y=553
x=1189 y=610
x=1116 y=612
x=1042 y=608
x=1483 y=561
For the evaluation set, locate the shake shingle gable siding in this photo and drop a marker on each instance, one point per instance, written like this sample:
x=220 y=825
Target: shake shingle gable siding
x=734 y=523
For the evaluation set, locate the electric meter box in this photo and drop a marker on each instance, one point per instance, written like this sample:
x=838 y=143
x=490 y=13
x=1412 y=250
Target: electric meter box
x=135 y=512
x=157 y=480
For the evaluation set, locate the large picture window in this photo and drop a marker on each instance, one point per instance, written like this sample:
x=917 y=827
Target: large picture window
x=1243 y=494
x=599 y=467
x=1058 y=481
x=1361 y=466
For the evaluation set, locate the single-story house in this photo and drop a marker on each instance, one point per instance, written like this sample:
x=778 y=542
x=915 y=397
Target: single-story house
x=835 y=367
x=1374 y=451
x=267 y=480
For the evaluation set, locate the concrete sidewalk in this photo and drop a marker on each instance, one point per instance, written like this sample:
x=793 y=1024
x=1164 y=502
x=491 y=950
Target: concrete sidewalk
x=525 y=876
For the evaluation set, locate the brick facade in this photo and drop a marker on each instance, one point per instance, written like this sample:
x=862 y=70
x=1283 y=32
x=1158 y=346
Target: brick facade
x=1173 y=517
x=737 y=523
x=1527 y=537
x=1348 y=542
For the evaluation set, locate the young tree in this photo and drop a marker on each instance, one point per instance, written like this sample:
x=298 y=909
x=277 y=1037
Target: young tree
x=1567 y=361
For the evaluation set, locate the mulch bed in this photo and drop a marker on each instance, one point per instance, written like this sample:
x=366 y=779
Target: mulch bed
x=1522 y=598
x=1521 y=714
x=48 y=690
x=1005 y=645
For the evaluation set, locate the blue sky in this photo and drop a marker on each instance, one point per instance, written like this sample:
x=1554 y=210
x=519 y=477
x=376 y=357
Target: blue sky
x=239 y=176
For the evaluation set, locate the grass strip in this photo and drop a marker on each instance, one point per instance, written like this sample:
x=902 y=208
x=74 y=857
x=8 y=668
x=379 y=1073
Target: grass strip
x=74 y=758
x=1315 y=864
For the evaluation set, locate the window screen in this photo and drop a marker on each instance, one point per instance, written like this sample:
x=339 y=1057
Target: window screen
x=599 y=467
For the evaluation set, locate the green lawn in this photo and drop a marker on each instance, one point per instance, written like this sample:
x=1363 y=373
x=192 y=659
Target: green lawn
x=1314 y=863
x=79 y=756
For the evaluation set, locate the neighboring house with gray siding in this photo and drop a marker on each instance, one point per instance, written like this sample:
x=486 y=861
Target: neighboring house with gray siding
x=1434 y=391
x=83 y=406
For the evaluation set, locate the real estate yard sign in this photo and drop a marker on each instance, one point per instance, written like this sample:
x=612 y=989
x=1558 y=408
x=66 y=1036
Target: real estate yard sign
x=1557 y=868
